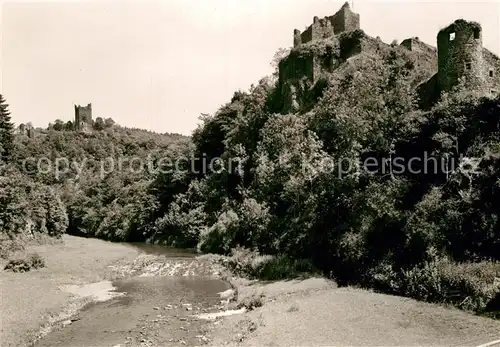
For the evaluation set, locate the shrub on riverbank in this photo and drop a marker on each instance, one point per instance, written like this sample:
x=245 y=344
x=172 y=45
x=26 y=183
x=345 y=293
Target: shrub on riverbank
x=251 y=264
x=469 y=286
x=26 y=263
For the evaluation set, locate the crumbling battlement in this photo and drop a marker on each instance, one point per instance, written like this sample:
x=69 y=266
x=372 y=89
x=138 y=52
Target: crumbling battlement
x=83 y=117
x=345 y=20
x=320 y=29
x=415 y=45
x=342 y=21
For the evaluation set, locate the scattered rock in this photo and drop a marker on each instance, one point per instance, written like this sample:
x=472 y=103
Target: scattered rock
x=213 y=316
x=66 y=322
x=156 y=308
x=227 y=294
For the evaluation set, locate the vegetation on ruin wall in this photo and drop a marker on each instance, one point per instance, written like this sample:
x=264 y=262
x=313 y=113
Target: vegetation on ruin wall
x=430 y=236
x=461 y=24
x=339 y=45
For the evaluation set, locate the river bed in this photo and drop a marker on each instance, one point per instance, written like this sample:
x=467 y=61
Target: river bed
x=144 y=310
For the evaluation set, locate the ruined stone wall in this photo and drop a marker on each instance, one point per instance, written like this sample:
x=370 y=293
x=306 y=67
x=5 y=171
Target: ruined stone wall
x=342 y=21
x=296 y=66
x=415 y=45
x=320 y=29
x=354 y=42
x=460 y=55
x=345 y=20
x=297 y=38
x=492 y=72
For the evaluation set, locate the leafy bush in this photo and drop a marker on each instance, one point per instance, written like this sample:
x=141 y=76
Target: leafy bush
x=35 y=260
x=470 y=286
x=25 y=264
x=247 y=263
x=18 y=265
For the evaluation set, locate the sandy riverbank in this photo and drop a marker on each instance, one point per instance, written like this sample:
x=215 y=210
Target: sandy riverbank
x=315 y=312
x=79 y=271
x=33 y=299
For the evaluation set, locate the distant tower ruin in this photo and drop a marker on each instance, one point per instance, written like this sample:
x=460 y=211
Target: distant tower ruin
x=83 y=118
x=22 y=129
x=31 y=132
x=26 y=130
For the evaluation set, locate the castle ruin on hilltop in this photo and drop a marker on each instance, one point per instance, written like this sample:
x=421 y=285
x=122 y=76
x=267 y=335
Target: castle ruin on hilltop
x=332 y=40
x=83 y=118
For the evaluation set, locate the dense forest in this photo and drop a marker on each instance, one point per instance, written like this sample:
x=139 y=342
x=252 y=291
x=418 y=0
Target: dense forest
x=428 y=231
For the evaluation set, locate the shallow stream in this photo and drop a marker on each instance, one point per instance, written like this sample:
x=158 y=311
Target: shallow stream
x=144 y=311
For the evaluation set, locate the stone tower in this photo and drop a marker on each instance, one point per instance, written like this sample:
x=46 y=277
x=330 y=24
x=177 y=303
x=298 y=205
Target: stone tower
x=22 y=129
x=83 y=117
x=460 y=55
x=345 y=19
x=31 y=132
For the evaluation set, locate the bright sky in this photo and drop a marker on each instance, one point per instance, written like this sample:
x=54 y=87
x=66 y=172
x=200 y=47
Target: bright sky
x=160 y=64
